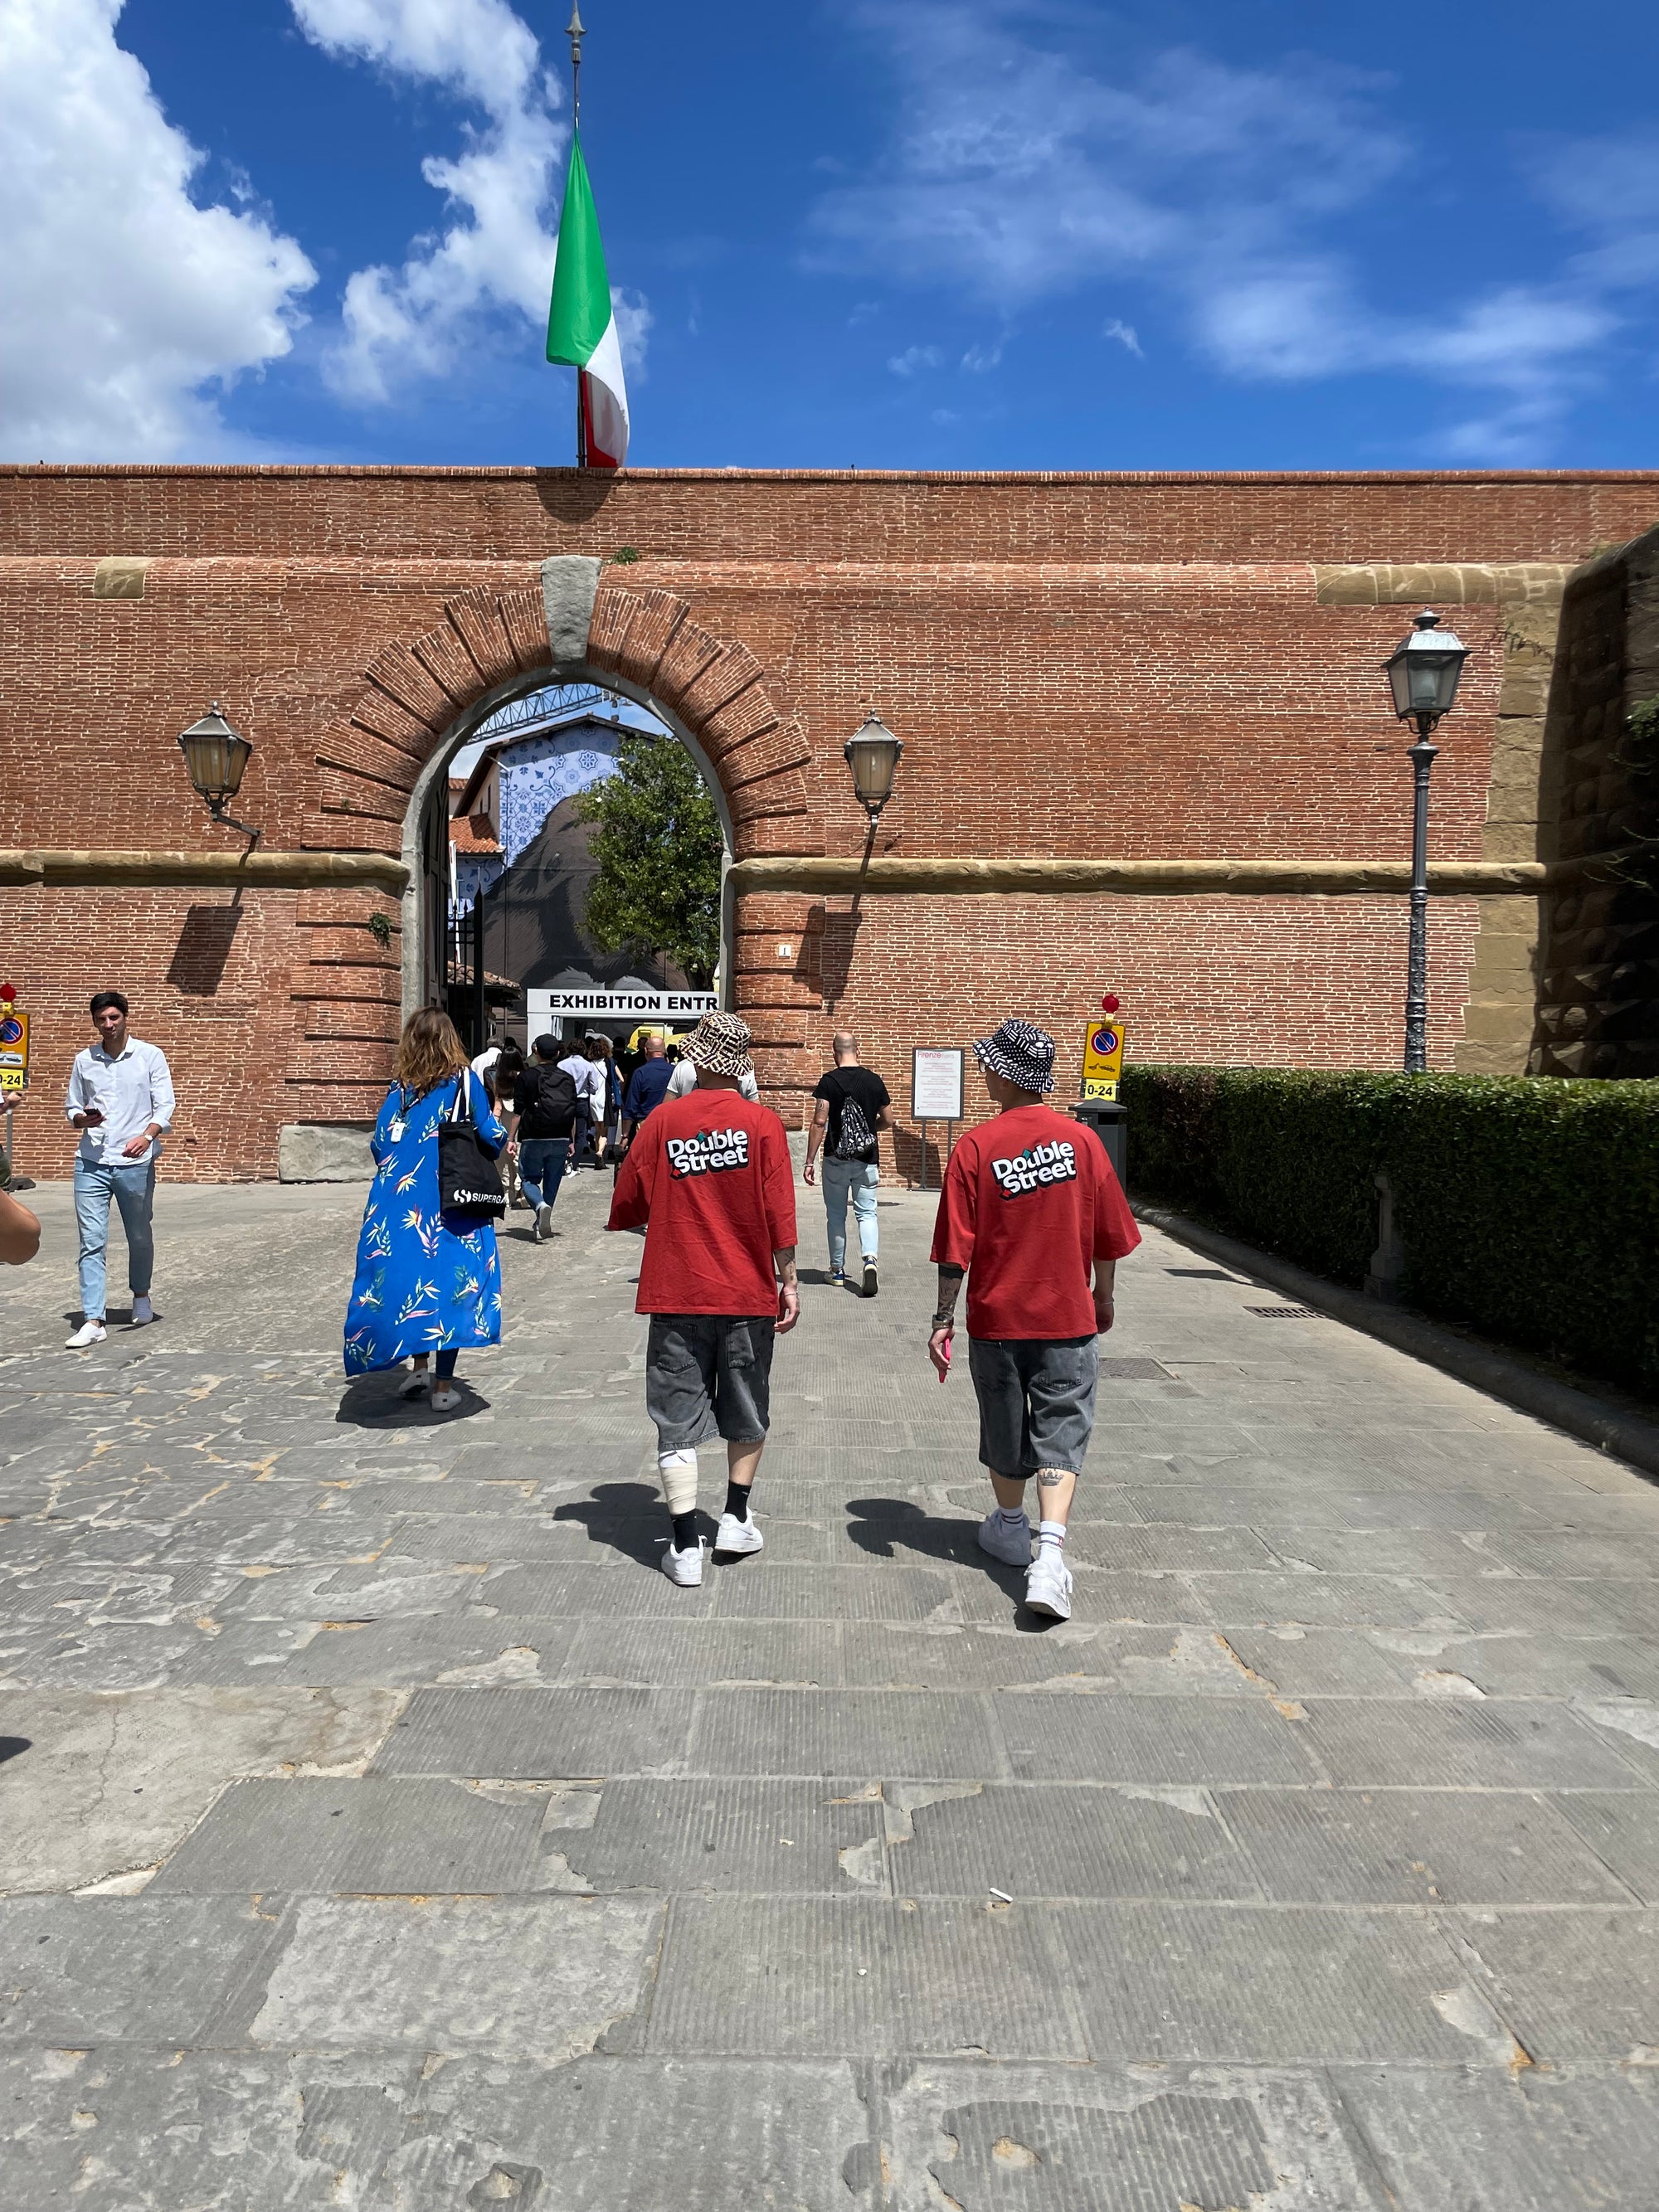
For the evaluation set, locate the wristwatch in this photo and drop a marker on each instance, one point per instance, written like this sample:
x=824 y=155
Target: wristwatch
x=944 y=1320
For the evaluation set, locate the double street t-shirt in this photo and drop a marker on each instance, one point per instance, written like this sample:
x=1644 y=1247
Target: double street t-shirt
x=1030 y=1203
x=711 y=1177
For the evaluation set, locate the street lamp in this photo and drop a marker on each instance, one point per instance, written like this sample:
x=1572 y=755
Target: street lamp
x=872 y=754
x=1423 y=672
x=215 y=757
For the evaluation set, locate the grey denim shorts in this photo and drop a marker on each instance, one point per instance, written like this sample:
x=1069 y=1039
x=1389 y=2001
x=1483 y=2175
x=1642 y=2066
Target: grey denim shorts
x=1036 y=1400
x=709 y=1375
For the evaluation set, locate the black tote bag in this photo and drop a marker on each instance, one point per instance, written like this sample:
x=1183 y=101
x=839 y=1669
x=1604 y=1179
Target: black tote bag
x=469 y=1181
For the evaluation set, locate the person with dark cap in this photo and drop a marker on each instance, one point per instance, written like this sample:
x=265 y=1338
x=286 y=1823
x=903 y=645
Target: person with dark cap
x=709 y=1176
x=540 y=1129
x=1029 y=1211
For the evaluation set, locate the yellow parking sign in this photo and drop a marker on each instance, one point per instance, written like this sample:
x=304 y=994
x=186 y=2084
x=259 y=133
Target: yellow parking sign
x=1103 y=1057
x=14 y=1048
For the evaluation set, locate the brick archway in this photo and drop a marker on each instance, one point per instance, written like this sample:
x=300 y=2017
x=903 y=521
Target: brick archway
x=425 y=695
x=419 y=700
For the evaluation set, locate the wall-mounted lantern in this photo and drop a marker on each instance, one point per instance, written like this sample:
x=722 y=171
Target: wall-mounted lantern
x=215 y=757
x=872 y=754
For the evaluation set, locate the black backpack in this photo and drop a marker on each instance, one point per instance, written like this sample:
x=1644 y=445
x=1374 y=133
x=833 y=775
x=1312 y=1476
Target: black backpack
x=547 y=1102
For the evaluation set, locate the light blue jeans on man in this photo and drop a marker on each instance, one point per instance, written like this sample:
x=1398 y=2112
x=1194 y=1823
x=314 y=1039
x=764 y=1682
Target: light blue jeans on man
x=857 y=1179
x=133 y=1189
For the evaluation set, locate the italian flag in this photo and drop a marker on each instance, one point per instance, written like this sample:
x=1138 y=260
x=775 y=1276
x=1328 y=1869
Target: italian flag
x=581 y=324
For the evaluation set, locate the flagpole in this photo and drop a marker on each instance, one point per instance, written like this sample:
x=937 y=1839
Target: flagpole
x=577 y=32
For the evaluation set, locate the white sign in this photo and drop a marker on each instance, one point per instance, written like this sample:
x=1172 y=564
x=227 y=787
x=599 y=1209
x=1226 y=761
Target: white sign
x=936 y=1083
x=541 y=1006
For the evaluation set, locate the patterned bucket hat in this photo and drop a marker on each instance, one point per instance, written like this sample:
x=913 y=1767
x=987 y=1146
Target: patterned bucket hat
x=720 y=1042
x=1021 y=1051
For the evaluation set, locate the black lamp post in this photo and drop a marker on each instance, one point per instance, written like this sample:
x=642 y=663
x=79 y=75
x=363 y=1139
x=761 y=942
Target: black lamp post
x=1423 y=672
x=215 y=757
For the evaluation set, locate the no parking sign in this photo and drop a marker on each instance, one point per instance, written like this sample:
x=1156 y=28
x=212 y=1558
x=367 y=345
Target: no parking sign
x=1103 y=1057
x=14 y=1045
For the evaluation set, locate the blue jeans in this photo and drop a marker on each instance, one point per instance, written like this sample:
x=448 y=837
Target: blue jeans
x=133 y=1189
x=542 y=1163
x=857 y=1179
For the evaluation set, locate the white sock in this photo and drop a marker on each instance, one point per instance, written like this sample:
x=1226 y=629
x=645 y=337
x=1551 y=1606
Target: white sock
x=678 y=1471
x=1051 y=1531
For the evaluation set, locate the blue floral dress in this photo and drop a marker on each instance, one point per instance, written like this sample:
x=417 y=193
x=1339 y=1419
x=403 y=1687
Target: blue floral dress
x=423 y=1282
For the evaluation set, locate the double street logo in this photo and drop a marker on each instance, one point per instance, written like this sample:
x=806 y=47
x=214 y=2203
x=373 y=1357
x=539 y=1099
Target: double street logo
x=1036 y=1165
x=708 y=1152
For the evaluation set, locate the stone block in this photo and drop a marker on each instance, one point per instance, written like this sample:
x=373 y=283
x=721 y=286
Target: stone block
x=311 y=1151
x=120 y=576
x=570 y=582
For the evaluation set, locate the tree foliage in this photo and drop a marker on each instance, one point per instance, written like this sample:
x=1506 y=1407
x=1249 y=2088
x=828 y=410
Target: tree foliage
x=657 y=840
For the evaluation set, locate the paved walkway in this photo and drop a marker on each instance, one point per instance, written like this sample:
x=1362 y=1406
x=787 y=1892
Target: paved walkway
x=380 y=1829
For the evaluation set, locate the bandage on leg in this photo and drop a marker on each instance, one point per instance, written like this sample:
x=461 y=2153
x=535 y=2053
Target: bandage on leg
x=678 y=1471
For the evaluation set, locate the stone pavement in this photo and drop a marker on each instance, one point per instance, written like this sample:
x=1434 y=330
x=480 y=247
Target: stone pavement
x=379 y=1829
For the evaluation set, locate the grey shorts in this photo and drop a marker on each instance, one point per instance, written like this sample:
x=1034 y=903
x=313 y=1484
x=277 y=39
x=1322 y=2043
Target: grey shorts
x=1036 y=1400
x=709 y=1375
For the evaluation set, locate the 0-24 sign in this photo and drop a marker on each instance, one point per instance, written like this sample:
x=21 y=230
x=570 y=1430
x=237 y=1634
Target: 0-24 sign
x=1102 y=1057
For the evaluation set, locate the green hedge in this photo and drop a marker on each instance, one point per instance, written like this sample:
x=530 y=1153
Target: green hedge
x=1528 y=1208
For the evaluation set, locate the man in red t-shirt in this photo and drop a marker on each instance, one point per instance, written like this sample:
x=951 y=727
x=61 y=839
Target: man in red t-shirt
x=710 y=1176
x=1030 y=1207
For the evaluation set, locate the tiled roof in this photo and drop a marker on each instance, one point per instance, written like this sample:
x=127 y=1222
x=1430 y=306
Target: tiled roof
x=473 y=833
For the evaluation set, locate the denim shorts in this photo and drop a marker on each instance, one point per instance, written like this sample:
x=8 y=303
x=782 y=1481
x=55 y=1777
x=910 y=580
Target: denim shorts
x=1036 y=1400
x=709 y=1375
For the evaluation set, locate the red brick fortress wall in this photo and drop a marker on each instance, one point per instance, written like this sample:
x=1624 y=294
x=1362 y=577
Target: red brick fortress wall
x=1079 y=666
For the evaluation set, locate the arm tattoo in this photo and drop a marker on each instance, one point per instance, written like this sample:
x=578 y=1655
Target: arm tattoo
x=784 y=1260
x=949 y=1285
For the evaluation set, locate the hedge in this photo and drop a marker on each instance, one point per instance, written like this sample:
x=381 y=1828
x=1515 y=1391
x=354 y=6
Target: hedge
x=1528 y=1207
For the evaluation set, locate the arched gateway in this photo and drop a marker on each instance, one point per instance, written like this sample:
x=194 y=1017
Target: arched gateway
x=1146 y=746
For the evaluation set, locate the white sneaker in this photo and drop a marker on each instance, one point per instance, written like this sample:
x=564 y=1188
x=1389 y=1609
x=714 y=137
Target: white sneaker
x=1011 y=1545
x=685 y=1567
x=1049 y=1585
x=414 y=1385
x=445 y=1398
x=543 y=1223
x=735 y=1536
x=90 y=1332
x=143 y=1313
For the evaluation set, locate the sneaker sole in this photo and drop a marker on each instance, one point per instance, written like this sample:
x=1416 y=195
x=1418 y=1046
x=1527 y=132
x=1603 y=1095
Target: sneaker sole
x=1050 y=1611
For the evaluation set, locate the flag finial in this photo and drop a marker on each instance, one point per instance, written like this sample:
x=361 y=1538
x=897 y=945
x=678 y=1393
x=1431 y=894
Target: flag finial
x=576 y=31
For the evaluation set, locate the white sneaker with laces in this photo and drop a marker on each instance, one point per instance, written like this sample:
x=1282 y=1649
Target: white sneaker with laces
x=143 y=1313
x=1011 y=1543
x=90 y=1332
x=684 y=1567
x=1049 y=1585
x=735 y=1536
x=543 y=1223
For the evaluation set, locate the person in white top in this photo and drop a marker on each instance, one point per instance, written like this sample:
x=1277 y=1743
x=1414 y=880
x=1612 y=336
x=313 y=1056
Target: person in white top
x=120 y=1098
x=589 y=1079
x=684 y=1078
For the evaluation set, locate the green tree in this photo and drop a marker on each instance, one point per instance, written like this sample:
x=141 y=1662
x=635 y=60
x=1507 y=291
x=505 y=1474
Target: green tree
x=657 y=840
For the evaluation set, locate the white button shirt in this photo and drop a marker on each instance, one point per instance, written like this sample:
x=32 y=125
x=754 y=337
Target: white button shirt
x=131 y=1092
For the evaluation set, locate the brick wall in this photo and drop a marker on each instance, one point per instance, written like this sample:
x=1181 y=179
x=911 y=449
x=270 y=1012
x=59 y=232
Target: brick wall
x=1127 y=666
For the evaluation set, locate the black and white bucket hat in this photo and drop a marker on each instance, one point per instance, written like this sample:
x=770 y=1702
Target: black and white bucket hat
x=720 y=1042
x=1020 y=1052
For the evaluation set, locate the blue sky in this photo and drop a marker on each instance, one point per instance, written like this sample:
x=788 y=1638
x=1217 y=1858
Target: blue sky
x=932 y=233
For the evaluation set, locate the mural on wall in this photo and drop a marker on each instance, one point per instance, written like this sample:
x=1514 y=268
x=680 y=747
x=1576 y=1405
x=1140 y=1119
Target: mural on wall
x=533 y=776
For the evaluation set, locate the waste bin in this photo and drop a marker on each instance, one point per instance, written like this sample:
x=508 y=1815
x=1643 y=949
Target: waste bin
x=1108 y=1124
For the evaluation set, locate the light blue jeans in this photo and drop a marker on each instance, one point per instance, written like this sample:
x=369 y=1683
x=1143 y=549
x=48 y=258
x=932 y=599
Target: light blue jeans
x=542 y=1162
x=857 y=1179
x=133 y=1189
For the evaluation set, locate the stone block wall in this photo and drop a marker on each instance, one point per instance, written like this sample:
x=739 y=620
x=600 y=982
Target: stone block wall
x=1598 y=996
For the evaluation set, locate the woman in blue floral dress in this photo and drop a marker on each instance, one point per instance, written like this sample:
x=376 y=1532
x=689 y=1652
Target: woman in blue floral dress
x=425 y=1284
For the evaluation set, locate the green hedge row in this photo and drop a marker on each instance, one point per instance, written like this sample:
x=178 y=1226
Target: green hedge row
x=1528 y=1208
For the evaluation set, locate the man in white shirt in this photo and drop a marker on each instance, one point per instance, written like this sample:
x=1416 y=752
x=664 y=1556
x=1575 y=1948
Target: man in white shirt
x=589 y=1079
x=684 y=1078
x=120 y=1098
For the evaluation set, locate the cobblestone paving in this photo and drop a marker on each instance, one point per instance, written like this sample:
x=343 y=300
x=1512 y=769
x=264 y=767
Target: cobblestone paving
x=380 y=1829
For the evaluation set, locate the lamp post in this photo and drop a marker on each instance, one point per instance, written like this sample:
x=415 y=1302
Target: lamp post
x=872 y=754
x=215 y=757
x=1423 y=672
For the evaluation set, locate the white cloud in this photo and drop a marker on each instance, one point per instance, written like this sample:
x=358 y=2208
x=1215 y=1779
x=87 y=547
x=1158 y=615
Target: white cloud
x=495 y=256
x=1019 y=174
x=981 y=360
x=125 y=303
x=913 y=358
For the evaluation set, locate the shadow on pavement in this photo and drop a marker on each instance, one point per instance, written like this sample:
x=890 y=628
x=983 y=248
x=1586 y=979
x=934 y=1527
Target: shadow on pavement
x=627 y=1517
x=371 y=1402
x=892 y=1525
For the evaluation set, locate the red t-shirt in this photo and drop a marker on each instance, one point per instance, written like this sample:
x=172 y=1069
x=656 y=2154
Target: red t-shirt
x=710 y=1174
x=1030 y=1203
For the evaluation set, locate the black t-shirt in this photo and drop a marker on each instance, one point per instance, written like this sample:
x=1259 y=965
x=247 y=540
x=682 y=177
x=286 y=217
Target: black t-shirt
x=867 y=1092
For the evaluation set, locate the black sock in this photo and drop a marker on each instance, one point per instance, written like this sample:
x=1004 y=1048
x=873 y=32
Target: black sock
x=736 y=1499
x=685 y=1531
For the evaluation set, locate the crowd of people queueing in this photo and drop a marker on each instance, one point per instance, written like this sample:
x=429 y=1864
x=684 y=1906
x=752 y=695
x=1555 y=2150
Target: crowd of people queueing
x=1031 y=1216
